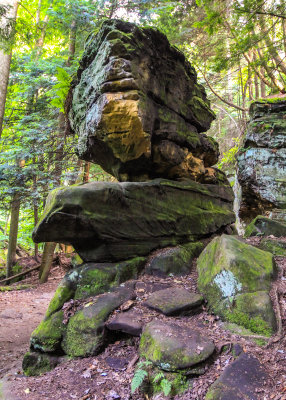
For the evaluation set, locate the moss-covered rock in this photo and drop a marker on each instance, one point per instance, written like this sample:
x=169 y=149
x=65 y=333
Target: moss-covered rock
x=176 y=260
x=38 y=363
x=172 y=347
x=274 y=246
x=236 y=278
x=263 y=226
x=85 y=332
x=65 y=291
x=110 y=222
x=130 y=117
x=48 y=334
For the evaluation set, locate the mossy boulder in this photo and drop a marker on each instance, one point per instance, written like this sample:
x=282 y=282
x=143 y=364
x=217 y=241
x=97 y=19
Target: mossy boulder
x=263 y=226
x=35 y=363
x=173 y=347
x=91 y=279
x=99 y=278
x=110 y=222
x=85 y=334
x=176 y=260
x=48 y=335
x=64 y=292
x=275 y=246
x=232 y=275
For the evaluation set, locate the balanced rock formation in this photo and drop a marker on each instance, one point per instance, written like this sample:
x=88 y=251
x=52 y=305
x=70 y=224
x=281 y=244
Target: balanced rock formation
x=138 y=109
x=262 y=160
x=117 y=221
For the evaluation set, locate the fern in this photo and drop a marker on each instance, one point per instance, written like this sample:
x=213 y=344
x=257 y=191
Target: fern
x=138 y=379
x=166 y=386
x=158 y=377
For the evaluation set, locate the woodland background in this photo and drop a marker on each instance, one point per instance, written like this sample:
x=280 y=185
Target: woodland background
x=237 y=47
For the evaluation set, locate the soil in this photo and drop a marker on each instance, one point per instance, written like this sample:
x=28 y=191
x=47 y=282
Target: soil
x=108 y=375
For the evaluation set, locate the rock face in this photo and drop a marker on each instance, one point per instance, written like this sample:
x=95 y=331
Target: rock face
x=137 y=108
x=262 y=161
x=117 y=221
x=236 y=278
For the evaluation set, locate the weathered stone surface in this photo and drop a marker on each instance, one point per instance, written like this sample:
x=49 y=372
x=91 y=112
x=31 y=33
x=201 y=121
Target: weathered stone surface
x=176 y=260
x=173 y=347
x=276 y=247
x=91 y=279
x=174 y=301
x=236 y=278
x=263 y=226
x=107 y=221
x=48 y=335
x=262 y=160
x=138 y=109
x=239 y=381
x=85 y=332
x=127 y=322
x=38 y=363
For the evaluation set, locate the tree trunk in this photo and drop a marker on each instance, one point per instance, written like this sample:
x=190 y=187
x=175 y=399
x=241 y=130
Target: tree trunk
x=15 y=211
x=5 y=61
x=47 y=259
x=86 y=172
x=262 y=87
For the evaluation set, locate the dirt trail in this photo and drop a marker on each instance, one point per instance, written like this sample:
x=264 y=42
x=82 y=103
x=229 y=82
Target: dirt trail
x=20 y=313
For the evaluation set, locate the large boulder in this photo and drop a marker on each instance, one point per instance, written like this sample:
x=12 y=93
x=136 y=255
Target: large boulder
x=262 y=160
x=116 y=221
x=236 y=278
x=138 y=109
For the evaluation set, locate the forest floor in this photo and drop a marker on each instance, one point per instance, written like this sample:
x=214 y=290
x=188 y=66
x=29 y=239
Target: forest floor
x=108 y=375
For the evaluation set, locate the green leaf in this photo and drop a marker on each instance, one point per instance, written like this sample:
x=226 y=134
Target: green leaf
x=138 y=379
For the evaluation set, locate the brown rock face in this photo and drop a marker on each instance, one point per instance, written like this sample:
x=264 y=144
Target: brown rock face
x=138 y=110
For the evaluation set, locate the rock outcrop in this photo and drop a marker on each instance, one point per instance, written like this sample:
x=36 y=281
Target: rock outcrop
x=262 y=160
x=117 y=221
x=236 y=278
x=138 y=109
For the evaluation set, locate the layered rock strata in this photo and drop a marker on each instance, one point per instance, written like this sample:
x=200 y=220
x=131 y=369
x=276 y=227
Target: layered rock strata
x=138 y=109
x=262 y=160
x=117 y=221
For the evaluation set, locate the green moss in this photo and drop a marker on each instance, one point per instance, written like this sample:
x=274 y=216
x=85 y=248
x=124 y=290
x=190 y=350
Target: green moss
x=48 y=335
x=149 y=348
x=256 y=324
x=18 y=287
x=276 y=247
x=65 y=291
x=35 y=364
x=272 y=100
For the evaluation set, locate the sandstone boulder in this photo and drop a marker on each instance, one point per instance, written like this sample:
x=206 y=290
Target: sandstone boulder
x=138 y=109
x=117 y=221
x=235 y=278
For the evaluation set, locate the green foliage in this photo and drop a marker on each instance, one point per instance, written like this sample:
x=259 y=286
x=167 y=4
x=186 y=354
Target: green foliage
x=60 y=89
x=255 y=324
x=229 y=158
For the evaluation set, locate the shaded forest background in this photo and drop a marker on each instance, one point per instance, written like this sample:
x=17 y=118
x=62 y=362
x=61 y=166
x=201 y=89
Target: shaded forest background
x=237 y=47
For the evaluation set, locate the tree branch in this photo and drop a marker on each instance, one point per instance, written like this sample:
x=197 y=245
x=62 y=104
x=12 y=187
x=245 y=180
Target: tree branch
x=217 y=95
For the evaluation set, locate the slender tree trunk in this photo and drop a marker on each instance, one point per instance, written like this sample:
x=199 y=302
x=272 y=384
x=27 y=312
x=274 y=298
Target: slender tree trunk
x=86 y=172
x=47 y=259
x=5 y=61
x=14 y=223
x=262 y=87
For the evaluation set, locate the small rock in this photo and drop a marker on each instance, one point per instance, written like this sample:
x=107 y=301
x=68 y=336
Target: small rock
x=239 y=381
x=127 y=322
x=174 y=347
x=174 y=301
